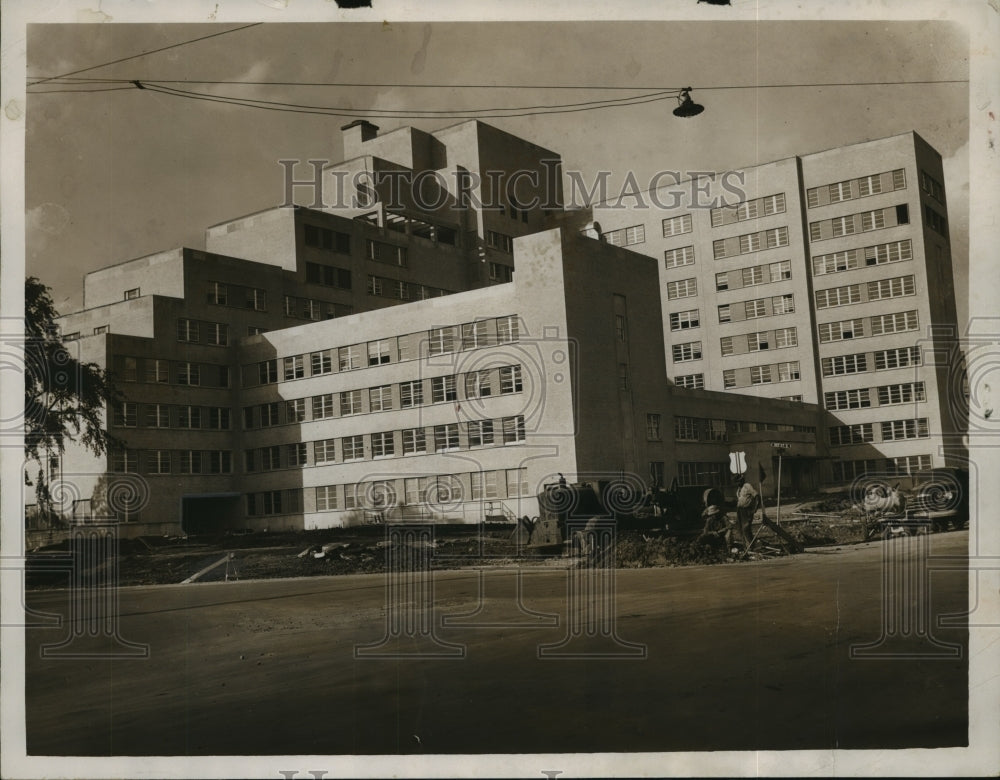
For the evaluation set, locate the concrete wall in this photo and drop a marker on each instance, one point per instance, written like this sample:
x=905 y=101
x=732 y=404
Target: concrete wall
x=156 y=274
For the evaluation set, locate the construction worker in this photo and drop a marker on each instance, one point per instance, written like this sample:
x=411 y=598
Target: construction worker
x=717 y=528
x=747 y=502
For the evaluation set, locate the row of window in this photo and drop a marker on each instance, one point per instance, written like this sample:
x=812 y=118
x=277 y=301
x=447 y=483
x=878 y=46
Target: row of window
x=172 y=461
x=504 y=380
x=709 y=430
x=75 y=335
x=192 y=331
x=850 y=470
x=861 y=362
x=399 y=290
x=451 y=437
x=216 y=418
x=439 y=341
x=324 y=238
x=862 y=187
x=328 y=276
x=635 y=234
x=887 y=395
x=863 y=222
x=935 y=221
x=702 y=473
x=500 y=241
x=313 y=310
x=178 y=372
x=693 y=381
x=890 y=430
x=237 y=295
x=761 y=375
x=849 y=294
x=849 y=259
x=753 y=275
x=863 y=327
x=756 y=308
x=501 y=273
x=434 y=491
x=750 y=242
x=749 y=209
x=782 y=338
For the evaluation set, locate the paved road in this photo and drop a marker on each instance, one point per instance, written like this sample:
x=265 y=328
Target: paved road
x=747 y=656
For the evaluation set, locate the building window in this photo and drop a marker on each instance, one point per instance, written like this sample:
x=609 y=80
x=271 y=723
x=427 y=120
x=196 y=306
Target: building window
x=685 y=428
x=686 y=352
x=513 y=429
x=132 y=294
x=754 y=309
x=844 y=364
x=760 y=375
x=383 y=445
x=322 y=406
x=414 y=441
x=499 y=241
x=675 y=226
x=158 y=462
x=256 y=299
x=157 y=416
x=725 y=313
x=788 y=372
x=324 y=451
x=501 y=273
x=294 y=367
x=838 y=296
x=722 y=281
x=891 y=288
x=322 y=362
x=188 y=374
x=474 y=334
x=446 y=437
x=477 y=384
x=378 y=353
x=187 y=330
x=861 y=433
x=441 y=341
x=901 y=393
x=349 y=358
x=685 y=288
x=894 y=323
x=783 y=304
x=653 y=427
x=130 y=369
x=350 y=403
x=847 y=399
x=480 y=433
x=902 y=357
x=636 y=234
x=189 y=417
x=510 y=380
x=190 y=462
x=729 y=378
x=217 y=334
x=326 y=498
x=443 y=389
x=897 y=430
x=757 y=342
x=684 y=320
x=126 y=414
x=507 y=330
x=219 y=418
x=620 y=327
x=675 y=258
x=411 y=394
x=295 y=410
x=694 y=381
x=267 y=372
x=354 y=448
x=218 y=294
x=380 y=398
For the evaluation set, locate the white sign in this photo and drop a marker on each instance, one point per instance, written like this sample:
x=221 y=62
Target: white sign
x=779 y=445
x=737 y=462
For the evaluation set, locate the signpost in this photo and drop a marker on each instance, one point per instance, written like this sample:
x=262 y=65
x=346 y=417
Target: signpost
x=780 y=447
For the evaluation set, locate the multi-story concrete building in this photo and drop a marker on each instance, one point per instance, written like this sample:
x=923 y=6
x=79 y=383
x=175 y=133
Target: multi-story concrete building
x=376 y=355
x=828 y=280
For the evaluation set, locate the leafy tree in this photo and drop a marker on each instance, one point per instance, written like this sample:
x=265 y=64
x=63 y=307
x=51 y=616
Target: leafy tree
x=64 y=398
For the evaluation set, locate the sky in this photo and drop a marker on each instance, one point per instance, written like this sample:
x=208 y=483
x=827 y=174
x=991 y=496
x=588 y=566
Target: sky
x=120 y=174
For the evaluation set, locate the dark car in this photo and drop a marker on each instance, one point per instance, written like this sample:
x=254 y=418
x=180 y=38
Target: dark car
x=941 y=497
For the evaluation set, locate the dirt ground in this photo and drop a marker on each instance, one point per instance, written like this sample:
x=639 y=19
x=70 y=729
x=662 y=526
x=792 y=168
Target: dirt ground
x=159 y=561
